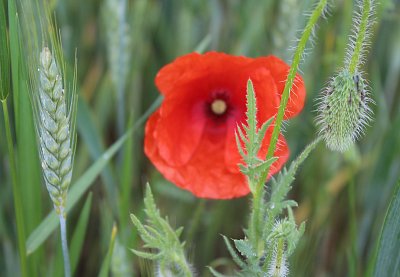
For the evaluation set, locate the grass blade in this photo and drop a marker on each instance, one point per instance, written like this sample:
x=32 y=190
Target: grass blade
x=92 y=139
x=105 y=267
x=388 y=259
x=16 y=193
x=79 y=233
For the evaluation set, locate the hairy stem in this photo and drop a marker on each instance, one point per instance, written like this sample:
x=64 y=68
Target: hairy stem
x=64 y=243
x=257 y=196
x=361 y=35
x=19 y=217
x=280 y=250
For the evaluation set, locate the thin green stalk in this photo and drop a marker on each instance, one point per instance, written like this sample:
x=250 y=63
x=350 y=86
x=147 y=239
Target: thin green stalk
x=64 y=243
x=195 y=219
x=19 y=217
x=280 y=251
x=353 y=228
x=361 y=35
x=257 y=196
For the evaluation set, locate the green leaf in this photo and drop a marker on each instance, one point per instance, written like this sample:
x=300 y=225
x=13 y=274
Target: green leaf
x=145 y=255
x=251 y=115
x=245 y=248
x=239 y=145
x=79 y=233
x=160 y=236
x=91 y=138
x=141 y=229
x=388 y=258
x=262 y=131
x=264 y=165
x=105 y=266
x=14 y=33
x=4 y=55
x=215 y=273
x=233 y=253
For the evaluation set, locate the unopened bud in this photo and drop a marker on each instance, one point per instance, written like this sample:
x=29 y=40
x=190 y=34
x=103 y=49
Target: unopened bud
x=343 y=110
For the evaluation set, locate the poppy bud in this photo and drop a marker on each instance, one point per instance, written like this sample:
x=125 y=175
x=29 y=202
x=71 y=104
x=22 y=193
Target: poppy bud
x=343 y=110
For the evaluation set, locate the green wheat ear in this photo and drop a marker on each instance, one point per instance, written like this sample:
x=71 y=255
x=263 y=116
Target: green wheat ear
x=53 y=127
x=343 y=110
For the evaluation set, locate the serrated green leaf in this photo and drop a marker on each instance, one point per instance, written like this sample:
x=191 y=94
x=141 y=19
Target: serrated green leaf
x=161 y=237
x=262 y=131
x=264 y=165
x=388 y=258
x=239 y=146
x=179 y=231
x=141 y=229
x=145 y=255
x=251 y=114
x=169 y=232
x=233 y=253
x=245 y=248
x=149 y=202
x=244 y=169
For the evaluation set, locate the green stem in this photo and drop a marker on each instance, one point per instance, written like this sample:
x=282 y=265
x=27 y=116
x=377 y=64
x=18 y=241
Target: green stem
x=361 y=35
x=353 y=228
x=19 y=217
x=64 y=243
x=279 y=256
x=195 y=219
x=257 y=196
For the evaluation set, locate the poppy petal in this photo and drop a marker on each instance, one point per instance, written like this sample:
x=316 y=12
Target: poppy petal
x=279 y=71
x=179 y=130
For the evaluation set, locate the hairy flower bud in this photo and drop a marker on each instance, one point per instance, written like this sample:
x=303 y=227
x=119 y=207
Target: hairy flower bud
x=343 y=110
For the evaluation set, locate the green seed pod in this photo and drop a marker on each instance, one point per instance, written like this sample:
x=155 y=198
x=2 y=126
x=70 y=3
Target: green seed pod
x=343 y=110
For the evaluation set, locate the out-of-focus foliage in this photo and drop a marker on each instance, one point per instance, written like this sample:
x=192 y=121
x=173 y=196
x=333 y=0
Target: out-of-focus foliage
x=343 y=198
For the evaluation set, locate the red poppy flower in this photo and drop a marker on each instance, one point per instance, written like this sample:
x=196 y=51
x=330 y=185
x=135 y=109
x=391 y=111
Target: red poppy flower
x=191 y=138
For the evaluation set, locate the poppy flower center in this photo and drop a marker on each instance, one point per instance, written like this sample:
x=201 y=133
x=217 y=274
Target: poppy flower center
x=218 y=107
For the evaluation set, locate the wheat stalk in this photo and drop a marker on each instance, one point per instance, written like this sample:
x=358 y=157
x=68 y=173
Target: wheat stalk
x=56 y=141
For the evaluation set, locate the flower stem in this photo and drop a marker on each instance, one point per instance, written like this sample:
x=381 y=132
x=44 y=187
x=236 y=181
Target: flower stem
x=196 y=218
x=280 y=248
x=64 y=243
x=361 y=35
x=353 y=259
x=257 y=196
x=19 y=217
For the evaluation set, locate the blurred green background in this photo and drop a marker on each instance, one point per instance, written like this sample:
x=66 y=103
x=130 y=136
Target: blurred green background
x=343 y=198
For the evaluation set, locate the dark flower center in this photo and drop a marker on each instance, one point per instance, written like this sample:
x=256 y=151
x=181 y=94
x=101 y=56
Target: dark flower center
x=218 y=106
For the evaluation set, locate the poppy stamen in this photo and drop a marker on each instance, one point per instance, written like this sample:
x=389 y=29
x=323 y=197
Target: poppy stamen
x=218 y=107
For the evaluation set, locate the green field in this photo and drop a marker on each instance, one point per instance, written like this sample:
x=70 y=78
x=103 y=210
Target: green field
x=117 y=48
